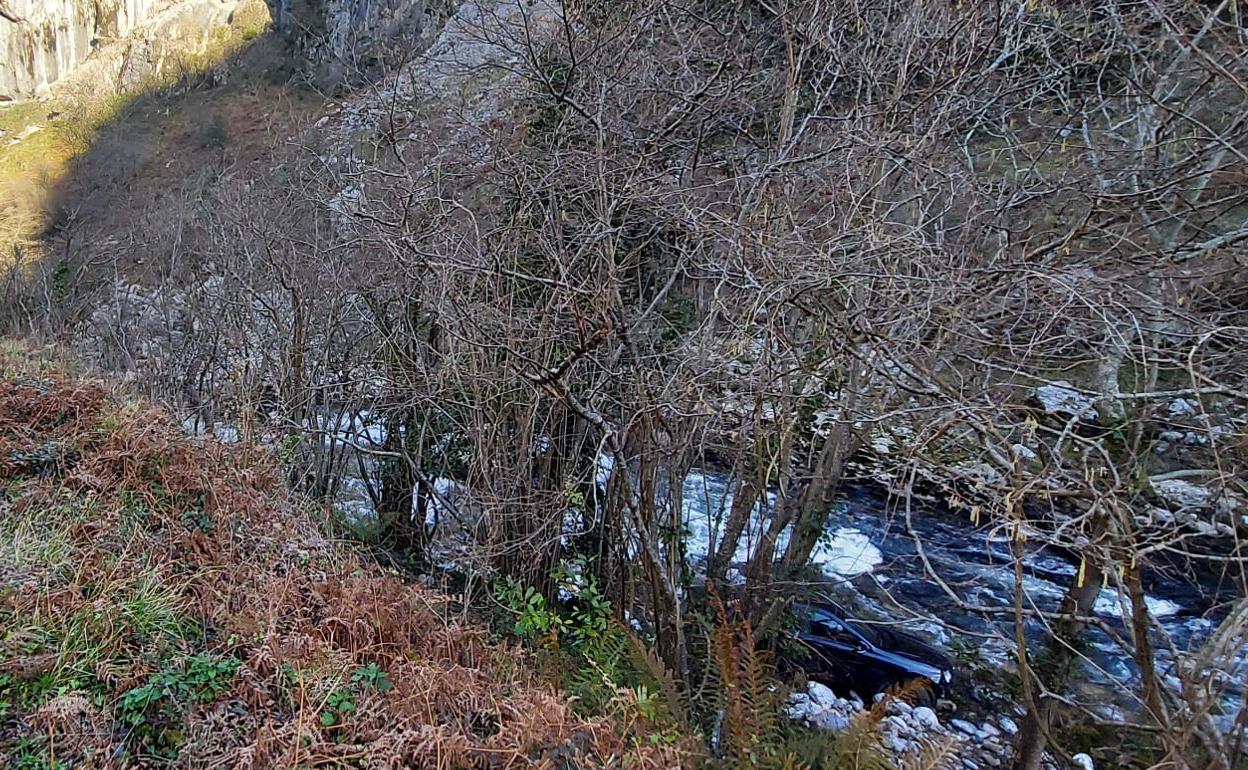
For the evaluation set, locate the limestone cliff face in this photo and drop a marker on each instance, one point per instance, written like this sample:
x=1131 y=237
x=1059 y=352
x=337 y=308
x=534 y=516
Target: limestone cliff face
x=42 y=41
x=356 y=35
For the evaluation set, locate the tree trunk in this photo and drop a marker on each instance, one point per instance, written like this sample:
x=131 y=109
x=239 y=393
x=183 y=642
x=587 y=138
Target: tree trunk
x=1055 y=665
x=402 y=526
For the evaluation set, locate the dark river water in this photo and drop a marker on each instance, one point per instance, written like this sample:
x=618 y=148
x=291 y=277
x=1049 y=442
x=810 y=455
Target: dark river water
x=871 y=561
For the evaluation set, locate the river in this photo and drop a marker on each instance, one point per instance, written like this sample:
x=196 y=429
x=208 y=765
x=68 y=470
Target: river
x=871 y=562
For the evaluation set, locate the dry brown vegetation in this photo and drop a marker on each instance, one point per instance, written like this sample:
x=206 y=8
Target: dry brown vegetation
x=764 y=237
x=163 y=597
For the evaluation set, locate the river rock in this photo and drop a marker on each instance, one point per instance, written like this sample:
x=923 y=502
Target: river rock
x=926 y=718
x=819 y=707
x=897 y=744
x=1008 y=725
x=1180 y=407
x=1083 y=762
x=897 y=726
x=1182 y=494
x=989 y=730
x=963 y=726
x=1024 y=451
x=822 y=695
x=1061 y=398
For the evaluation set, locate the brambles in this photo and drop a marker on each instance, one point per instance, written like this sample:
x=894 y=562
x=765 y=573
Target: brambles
x=371 y=676
x=340 y=703
x=155 y=713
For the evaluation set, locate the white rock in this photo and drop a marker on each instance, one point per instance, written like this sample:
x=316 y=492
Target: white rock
x=1182 y=494
x=1008 y=725
x=830 y=720
x=897 y=726
x=802 y=710
x=1179 y=407
x=822 y=695
x=1023 y=451
x=988 y=730
x=1083 y=761
x=925 y=717
x=900 y=707
x=897 y=744
x=961 y=725
x=1061 y=398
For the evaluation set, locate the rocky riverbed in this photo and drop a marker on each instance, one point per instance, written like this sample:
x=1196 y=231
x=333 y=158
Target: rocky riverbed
x=906 y=729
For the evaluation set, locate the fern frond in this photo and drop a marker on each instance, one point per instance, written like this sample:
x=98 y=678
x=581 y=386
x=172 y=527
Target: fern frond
x=858 y=746
x=936 y=754
x=650 y=665
x=751 y=725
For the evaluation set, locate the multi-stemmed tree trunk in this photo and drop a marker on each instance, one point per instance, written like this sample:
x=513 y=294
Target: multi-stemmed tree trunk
x=1050 y=671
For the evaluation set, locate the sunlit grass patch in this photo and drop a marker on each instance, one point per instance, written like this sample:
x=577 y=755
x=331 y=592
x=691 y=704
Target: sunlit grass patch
x=40 y=140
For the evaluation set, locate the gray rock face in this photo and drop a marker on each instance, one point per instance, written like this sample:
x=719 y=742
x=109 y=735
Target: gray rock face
x=349 y=37
x=114 y=44
x=42 y=41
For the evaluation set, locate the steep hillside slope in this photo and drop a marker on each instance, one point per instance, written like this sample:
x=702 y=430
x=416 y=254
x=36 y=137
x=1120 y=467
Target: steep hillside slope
x=164 y=599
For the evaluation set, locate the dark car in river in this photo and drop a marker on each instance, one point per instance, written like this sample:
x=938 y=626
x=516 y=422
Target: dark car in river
x=848 y=654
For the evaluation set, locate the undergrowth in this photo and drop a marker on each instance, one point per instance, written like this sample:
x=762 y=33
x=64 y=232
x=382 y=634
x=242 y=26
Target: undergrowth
x=163 y=602
x=734 y=720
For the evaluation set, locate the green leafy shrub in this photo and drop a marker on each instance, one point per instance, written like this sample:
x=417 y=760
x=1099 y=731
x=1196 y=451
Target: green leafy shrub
x=155 y=712
x=340 y=703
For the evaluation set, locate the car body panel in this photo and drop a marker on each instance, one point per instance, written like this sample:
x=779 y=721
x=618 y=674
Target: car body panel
x=848 y=655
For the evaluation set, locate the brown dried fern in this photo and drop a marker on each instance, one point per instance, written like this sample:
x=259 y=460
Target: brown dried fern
x=750 y=727
x=934 y=754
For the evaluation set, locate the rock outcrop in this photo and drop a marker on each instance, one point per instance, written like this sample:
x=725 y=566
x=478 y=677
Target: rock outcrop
x=354 y=39
x=42 y=42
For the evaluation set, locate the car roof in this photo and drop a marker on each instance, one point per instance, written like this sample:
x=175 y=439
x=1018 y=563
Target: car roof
x=827 y=605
